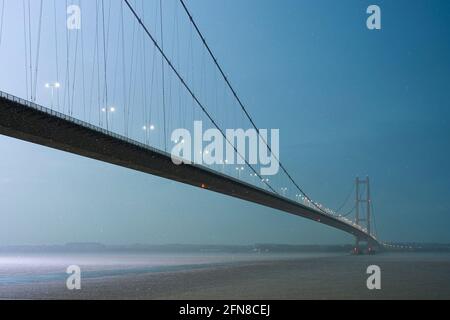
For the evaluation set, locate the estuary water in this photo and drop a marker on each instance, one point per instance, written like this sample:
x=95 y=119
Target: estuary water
x=36 y=268
x=225 y=276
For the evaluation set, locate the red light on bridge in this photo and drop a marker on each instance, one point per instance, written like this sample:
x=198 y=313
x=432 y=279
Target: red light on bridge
x=203 y=186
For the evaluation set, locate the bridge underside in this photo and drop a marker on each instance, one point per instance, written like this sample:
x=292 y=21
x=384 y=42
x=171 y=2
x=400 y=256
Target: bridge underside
x=67 y=134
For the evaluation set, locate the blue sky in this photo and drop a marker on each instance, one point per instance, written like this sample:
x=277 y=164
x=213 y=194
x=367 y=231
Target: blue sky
x=348 y=101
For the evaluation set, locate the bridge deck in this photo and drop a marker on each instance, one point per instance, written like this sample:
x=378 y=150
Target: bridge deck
x=27 y=121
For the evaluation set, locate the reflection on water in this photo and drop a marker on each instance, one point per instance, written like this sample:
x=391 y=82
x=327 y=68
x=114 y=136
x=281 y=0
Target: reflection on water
x=225 y=276
x=32 y=268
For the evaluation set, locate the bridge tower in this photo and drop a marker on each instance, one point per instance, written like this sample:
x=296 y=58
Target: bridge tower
x=363 y=204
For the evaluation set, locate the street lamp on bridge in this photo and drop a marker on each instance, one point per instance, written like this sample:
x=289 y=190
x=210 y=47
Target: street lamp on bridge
x=52 y=86
x=147 y=128
x=239 y=170
x=109 y=110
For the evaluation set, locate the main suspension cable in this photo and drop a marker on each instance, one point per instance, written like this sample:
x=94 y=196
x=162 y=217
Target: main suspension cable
x=189 y=89
x=243 y=107
x=346 y=200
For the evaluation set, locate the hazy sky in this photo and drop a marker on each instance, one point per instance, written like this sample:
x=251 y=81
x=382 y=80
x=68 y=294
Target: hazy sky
x=348 y=102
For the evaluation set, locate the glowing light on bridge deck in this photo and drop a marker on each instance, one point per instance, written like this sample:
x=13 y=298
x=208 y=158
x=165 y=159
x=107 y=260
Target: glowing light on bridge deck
x=110 y=109
x=150 y=127
x=54 y=85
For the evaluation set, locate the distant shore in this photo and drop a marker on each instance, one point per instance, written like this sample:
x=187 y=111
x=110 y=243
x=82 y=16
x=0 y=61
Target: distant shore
x=85 y=247
x=404 y=276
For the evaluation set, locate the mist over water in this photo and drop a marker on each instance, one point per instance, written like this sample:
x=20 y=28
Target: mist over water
x=33 y=268
x=224 y=276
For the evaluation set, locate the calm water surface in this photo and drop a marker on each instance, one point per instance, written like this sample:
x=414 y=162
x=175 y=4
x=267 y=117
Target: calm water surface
x=31 y=268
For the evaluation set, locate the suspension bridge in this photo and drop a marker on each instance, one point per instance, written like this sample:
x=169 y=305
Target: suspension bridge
x=111 y=79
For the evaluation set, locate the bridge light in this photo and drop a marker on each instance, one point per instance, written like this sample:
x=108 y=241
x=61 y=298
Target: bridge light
x=239 y=170
x=52 y=86
x=110 y=109
x=145 y=127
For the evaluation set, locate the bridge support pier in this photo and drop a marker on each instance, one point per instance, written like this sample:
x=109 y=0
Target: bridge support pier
x=359 y=206
x=357 y=248
x=365 y=248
